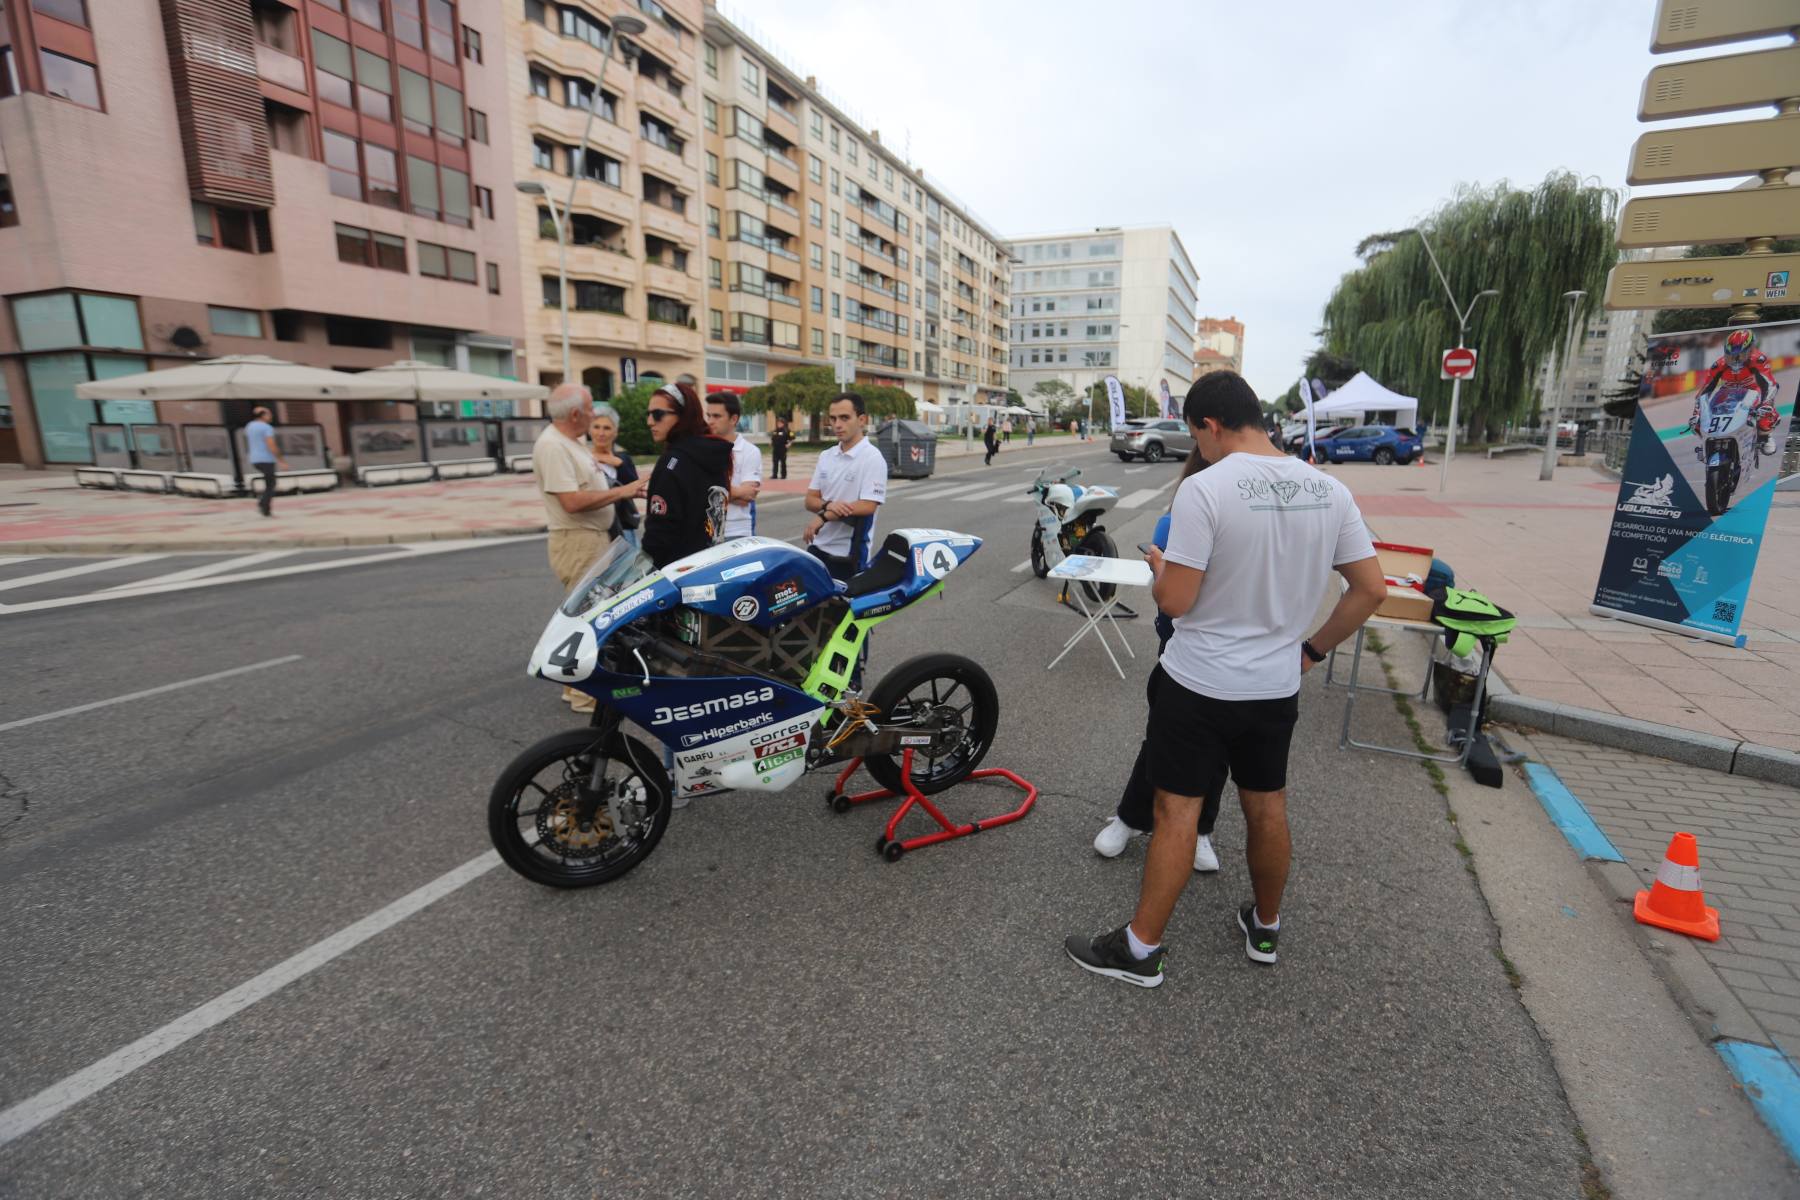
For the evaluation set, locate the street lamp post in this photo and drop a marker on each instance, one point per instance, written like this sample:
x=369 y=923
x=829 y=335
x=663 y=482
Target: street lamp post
x=624 y=23
x=1462 y=325
x=1549 y=468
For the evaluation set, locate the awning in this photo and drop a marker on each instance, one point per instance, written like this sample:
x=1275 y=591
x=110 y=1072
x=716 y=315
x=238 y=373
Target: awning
x=244 y=377
x=927 y=407
x=425 y=381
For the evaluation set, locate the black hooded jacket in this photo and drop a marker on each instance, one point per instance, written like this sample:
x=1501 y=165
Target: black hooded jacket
x=675 y=523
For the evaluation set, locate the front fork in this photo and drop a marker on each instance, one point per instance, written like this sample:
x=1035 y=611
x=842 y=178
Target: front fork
x=592 y=792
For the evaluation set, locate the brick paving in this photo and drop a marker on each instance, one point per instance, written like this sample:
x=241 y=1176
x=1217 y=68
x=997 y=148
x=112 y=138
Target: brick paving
x=1749 y=835
x=1535 y=547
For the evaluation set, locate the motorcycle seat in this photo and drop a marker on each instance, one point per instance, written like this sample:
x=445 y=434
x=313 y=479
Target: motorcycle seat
x=891 y=568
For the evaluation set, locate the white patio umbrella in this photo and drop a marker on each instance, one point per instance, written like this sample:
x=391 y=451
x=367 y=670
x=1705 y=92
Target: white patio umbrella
x=243 y=377
x=428 y=381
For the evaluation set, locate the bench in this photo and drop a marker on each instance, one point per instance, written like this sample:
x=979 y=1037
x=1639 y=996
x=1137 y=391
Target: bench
x=417 y=472
x=96 y=477
x=313 y=479
x=145 y=481
x=467 y=468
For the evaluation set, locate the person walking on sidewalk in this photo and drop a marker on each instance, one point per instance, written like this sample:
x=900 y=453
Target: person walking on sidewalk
x=992 y=442
x=265 y=455
x=722 y=411
x=779 y=441
x=577 y=503
x=1252 y=541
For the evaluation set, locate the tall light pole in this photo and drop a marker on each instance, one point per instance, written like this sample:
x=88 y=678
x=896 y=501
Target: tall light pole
x=1549 y=468
x=1462 y=325
x=629 y=25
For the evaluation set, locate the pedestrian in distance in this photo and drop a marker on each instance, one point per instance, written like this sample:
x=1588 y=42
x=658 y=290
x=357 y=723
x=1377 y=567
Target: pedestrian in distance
x=722 y=412
x=577 y=501
x=693 y=462
x=1252 y=541
x=1030 y=431
x=265 y=455
x=779 y=441
x=616 y=467
x=848 y=487
x=1006 y=431
x=1136 y=812
x=992 y=442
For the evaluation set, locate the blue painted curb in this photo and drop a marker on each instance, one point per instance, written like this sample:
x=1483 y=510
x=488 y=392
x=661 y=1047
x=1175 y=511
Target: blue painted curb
x=1569 y=815
x=1773 y=1086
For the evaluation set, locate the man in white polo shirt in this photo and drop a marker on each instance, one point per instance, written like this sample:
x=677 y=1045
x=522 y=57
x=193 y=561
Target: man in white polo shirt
x=722 y=409
x=847 y=489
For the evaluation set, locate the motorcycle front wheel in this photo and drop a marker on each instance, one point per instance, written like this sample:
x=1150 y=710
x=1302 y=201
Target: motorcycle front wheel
x=1040 y=563
x=1721 y=480
x=534 y=809
x=956 y=691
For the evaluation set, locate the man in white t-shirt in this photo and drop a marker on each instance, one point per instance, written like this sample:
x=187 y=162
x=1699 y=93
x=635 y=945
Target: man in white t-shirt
x=847 y=488
x=1253 y=540
x=722 y=409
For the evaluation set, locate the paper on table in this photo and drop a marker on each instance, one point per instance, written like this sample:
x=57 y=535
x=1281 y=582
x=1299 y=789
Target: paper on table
x=1132 y=571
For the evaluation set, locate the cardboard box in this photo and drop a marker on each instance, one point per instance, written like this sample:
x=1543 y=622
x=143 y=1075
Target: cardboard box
x=1404 y=603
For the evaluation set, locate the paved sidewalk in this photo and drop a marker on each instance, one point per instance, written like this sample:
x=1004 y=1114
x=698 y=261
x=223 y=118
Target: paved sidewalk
x=1749 y=835
x=45 y=512
x=1536 y=548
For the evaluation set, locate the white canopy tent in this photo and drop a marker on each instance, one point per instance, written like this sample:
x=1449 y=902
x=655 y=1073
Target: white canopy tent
x=245 y=377
x=428 y=381
x=1362 y=401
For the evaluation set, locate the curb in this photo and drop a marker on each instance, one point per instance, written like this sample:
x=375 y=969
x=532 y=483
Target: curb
x=290 y=543
x=1750 y=759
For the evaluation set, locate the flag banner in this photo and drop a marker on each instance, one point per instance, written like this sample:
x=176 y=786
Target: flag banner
x=1115 y=393
x=1171 y=407
x=1706 y=448
x=1306 y=397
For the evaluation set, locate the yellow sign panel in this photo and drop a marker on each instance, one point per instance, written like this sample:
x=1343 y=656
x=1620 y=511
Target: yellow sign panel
x=1711 y=85
x=1702 y=217
x=1690 y=24
x=1714 y=151
x=1704 y=282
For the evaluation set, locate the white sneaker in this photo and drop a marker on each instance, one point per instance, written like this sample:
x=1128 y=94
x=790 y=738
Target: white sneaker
x=1205 y=859
x=1113 y=838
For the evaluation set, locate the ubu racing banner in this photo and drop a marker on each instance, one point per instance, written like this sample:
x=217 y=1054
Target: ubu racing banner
x=1115 y=393
x=1688 y=523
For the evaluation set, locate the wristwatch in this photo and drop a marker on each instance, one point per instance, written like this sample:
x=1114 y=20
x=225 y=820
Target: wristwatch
x=1311 y=651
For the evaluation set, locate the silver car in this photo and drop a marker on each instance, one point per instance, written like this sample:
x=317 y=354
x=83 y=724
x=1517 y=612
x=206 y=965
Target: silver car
x=1152 y=439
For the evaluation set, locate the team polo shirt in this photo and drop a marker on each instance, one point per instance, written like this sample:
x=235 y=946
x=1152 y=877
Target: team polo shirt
x=859 y=473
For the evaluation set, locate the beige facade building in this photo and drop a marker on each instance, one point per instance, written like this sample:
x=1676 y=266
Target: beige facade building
x=823 y=244
x=634 y=238
x=308 y=179
x=1219 y=346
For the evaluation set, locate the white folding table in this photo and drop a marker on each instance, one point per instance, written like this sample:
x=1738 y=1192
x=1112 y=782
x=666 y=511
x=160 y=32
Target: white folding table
x=1120 y=572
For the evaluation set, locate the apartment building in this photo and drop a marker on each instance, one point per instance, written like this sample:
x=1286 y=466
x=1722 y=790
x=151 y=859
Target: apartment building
x=1107 y=301
x=1219 y=346
x=307 y=179
x=633 y=238
x=825 y=245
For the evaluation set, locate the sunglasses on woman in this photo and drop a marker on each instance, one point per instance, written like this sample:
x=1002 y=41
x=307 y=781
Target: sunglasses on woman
x=657 y=414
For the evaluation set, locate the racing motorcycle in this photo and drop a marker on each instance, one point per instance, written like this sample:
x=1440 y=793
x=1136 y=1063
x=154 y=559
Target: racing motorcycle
x=740 y=660
x=1068 y=522
x=1722 y=427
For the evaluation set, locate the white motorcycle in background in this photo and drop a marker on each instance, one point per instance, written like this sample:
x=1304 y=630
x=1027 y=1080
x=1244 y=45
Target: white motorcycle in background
x=1068 y=522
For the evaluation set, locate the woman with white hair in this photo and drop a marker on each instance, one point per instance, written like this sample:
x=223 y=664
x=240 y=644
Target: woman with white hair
x=616 y=466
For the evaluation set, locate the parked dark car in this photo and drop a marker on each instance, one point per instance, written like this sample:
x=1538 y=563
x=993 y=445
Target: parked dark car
x=1373 y=443
x=1296 y=443
x=1152 y=439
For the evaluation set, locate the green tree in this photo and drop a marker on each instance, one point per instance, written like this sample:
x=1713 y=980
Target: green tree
x=1390 y=315
x=632 y=405
x=809 y=390
x=1677 y=320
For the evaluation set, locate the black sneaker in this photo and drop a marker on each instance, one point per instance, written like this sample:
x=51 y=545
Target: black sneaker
x=1109 y=954
x=1259 y=943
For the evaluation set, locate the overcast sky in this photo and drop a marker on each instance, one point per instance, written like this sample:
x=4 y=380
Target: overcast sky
x=1273 y=136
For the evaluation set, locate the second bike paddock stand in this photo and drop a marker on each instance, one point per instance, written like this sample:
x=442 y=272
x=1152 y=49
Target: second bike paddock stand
x=892 y=848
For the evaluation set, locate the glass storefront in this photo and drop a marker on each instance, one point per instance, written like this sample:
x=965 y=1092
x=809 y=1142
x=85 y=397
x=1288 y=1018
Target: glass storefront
x=53 y=328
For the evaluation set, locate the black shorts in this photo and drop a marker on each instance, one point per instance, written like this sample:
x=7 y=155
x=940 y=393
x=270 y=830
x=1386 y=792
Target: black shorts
x=1193 y=739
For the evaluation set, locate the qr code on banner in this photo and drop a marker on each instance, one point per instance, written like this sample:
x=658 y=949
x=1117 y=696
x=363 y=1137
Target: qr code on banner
x=1724 y=610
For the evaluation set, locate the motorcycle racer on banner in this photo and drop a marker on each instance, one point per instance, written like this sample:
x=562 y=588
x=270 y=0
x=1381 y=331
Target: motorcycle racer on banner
x=1740 y=365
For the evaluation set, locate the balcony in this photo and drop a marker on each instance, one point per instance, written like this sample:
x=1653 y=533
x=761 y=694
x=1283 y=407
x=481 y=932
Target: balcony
x=783 y=121
x=586 y=328
x=667 y=163
x=780 y=251
x=659 y=100
x=667 y=281
x=558 y=123
x=589 y=262
x=779 y=221
x=777 y=202
x=669 y=225
x=671 y=338
x=781 y=171
x=281 y=69
x=788 y=298
x=594 y=197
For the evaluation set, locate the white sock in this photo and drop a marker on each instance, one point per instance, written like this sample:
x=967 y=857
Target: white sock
x=1256 y=919
x=1139 y=950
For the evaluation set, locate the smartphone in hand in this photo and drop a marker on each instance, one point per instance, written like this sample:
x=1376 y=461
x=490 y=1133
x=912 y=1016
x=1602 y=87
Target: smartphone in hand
x=1146 y=547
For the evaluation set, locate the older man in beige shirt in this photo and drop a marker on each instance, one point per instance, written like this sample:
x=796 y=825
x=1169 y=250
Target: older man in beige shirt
x=577 y=503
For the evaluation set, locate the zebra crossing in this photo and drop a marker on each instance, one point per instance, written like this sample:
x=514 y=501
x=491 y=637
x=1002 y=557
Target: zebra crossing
x=984 y=492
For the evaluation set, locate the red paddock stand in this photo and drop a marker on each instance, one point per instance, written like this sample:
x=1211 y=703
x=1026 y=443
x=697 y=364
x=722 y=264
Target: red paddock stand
x=888 y=846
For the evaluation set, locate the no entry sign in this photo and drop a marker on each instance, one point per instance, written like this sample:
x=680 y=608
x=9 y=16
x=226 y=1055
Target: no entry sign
x=1459 y=363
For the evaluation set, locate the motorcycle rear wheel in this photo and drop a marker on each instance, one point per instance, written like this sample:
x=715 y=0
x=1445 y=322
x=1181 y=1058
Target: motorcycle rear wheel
x=954 y=688
x=532 y=816
x=1098 y=544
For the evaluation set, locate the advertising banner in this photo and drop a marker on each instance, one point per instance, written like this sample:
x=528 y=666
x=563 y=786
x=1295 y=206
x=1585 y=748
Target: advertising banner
x=1307 y=399
x=1171 y=407
x=1706 y=448
x=1115 y=393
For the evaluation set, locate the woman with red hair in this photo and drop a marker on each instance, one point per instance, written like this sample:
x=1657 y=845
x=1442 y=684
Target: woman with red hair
x=693 y=462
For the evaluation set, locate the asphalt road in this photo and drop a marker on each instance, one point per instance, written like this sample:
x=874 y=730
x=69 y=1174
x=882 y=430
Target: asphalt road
x=764 y=1008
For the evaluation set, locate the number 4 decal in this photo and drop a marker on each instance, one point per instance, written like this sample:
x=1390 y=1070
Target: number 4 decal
x=567 y=657
x=939 y=561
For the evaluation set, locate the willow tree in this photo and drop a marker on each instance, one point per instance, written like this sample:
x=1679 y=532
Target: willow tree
x=1391 y=318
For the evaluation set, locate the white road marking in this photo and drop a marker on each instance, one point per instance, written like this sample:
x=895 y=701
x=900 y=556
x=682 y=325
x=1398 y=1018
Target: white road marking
x=1140 y=498
x=1004 y=489
x=27 y=1115
x=155 y=691
x=941 y=493
x=1021 y=498
x=12 y=560
x=401 y=550
x=105 y=564
x=227 y=563
x=1136 y=470
x=1024 y=566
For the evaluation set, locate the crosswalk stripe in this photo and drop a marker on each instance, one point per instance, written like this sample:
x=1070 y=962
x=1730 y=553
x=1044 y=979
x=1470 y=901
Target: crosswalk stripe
x=990 y=493
x=942 y=492
x=1140 y=498
x=1136 y=470
x=227 y=563
x=1026 y=498
x=14 y=560
x=105 y=564
x=1024 y=566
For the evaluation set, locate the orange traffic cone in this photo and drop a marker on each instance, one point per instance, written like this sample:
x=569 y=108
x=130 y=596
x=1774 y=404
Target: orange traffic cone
x=1675 y=900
